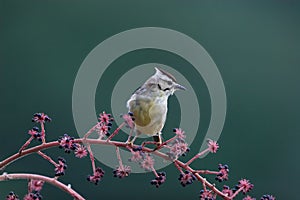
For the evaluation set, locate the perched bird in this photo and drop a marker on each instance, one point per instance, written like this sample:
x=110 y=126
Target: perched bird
x=148 y=105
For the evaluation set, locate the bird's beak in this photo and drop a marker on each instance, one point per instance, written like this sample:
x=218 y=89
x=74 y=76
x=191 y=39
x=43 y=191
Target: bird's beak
x=179 y=87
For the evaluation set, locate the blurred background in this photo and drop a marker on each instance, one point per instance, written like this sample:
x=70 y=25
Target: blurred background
x=255 y=45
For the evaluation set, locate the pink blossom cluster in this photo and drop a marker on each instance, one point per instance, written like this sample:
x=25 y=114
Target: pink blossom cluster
x=176 y=148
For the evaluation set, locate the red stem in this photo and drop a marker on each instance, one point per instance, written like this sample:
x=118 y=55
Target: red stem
x=236 y=193
x=90 y=131
x=170 y=140
x=119 y=157
x=115 y=132
x=203 y=180
x=154 y=171
x=91 y=157
x=178 y=167
x=148 y=142
x=26 y=144
x=204 y=187
x=43 y=132
x=29 y=186
x=206 y=172
x=52 y=181
x=16 y=156
x=47 y=158
x=197 y=156
x=130 y=135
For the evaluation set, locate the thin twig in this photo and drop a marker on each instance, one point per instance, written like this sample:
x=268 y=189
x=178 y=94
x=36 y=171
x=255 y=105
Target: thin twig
x=154 y=171
x=130 y=135
x=206 y=172
x=47 y=158
x=88 y=146
x=203 y=180
x=115 y=132
x=197 y=156
x=51 y=181
x=119 y=157
x=170 y=140
x=25 y=145
x=236 y=193
x=28 y=186
x=14 y=157
x=43 y=132
x=178 y=167
x=90 y=131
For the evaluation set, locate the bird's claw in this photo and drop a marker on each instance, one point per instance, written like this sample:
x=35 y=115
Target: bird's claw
x=129 y=143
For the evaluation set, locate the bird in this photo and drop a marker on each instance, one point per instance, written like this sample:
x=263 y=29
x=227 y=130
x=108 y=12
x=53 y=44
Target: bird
x=148 y=105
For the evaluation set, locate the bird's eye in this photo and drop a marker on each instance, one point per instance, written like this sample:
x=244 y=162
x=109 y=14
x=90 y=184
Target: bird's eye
x=159 y=87
x=169 y=82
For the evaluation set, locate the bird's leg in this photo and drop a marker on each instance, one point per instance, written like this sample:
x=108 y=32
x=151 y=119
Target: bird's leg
x=129 y=137
x=130 y=142
x=158 y=141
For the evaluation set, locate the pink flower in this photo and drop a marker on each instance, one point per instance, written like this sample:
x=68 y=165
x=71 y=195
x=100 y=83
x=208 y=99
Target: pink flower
x=41 y=118
x=248 y=198
x=105 y=118
x=32 y=196
x=136 y=156
x=129 y=120
x=178 y=148
x=186 y=178
x=80 y=151
x=147 y=163
x=223 y=173
x=35 y=185
x=103 y=129
x=104 y=125
x=213 y=146
x=206 y=194
x=12 y=196
x=267 y=197
x=67 y=143
x=160 y=179
x=98 y=175
x=60 y=167
x=34 y=132
x=246 y=185
x=122 y=171
x=227 y=190
x=179 y=133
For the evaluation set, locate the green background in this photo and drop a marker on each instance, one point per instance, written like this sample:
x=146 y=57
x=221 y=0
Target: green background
x=255 y=45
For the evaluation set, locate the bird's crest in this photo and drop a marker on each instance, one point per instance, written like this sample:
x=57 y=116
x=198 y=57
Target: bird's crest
x=165 y=73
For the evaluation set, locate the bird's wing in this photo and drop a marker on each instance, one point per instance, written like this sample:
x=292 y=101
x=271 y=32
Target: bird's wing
x=140 y=90
x=140 y=109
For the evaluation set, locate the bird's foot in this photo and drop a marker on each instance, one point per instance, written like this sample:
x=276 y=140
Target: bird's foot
x=158 y=142
x=129 y=143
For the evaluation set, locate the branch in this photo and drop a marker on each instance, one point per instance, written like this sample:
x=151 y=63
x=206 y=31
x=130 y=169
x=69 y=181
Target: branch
x=35 y=149
x=203 y=180
x=51 y=181
x=176 y=145
x=44 y=146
